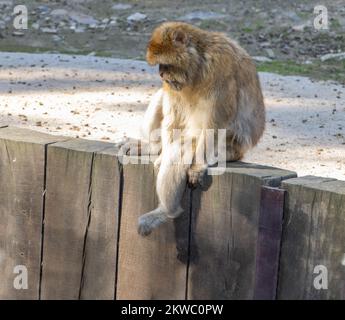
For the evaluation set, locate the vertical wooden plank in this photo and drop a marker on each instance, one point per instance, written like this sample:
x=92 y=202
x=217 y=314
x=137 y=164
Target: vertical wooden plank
x=68 y=216
x=225 y=232
x=152 y=267
x=22 y=170
x=313 y=235
x=101 y=245
x=269 y=240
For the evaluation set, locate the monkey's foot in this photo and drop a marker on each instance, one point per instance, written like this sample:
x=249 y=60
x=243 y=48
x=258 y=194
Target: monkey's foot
x=151 y=220
x=196 y=177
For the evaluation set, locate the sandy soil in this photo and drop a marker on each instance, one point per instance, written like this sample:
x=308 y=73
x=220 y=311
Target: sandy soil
x=104 y=99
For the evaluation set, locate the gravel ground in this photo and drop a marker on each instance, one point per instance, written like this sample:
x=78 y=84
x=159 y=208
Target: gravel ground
x=105 y=99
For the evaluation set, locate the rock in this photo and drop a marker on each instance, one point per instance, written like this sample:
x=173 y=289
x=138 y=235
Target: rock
x=300 y=27
x=79 y=30
x=136 y=17
x=307 y=62
x=82 y=18
x=49 y=30
x=35 y=26
x=337 y=56
x=265 y=44
x=112 y=22
x=201 y=15
x=121 y=6
x=17 y=33
x=270 y=53
x=43 y=9
x=59 y=14
x=56 y=38
x=261 y=59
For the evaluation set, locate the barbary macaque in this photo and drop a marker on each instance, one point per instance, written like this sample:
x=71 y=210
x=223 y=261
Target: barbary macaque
x=209 y=83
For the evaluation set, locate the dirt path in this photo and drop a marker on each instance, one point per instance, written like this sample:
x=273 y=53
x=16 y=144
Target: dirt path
x=104 y=99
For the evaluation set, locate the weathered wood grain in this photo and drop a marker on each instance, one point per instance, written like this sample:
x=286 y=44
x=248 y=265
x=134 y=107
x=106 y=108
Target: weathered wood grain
x=22 y=172
x=268 y=244
x=313 y=234
x=73 y=243
x=225 y=230
x=101 y=242
x=153 y=267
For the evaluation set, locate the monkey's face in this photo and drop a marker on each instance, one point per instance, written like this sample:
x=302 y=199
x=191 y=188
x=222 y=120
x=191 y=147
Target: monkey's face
x=172 y=76
x=172 y=49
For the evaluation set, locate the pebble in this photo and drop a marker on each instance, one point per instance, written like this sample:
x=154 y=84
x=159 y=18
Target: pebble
x=121 y=6
x=136 y=17
x=201 y=15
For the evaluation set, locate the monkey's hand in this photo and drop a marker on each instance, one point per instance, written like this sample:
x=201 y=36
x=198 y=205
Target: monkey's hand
x=196 y=176
x=133 y=147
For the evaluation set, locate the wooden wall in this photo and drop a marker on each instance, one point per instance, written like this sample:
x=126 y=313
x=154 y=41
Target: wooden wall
x=69 y=210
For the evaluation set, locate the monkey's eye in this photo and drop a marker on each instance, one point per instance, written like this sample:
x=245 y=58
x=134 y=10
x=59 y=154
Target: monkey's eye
x=165 y=66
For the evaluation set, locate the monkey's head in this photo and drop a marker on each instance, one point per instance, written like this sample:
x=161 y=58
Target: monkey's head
x=173 y=46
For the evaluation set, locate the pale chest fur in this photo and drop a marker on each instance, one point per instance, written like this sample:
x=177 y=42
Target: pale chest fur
x=190 y=115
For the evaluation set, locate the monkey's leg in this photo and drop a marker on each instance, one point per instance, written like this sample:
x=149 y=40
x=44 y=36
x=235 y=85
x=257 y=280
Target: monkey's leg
x=171 y=184
x=197 y=170
x=235 y=150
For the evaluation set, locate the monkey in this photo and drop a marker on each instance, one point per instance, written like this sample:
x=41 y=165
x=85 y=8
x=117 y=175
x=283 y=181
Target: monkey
x=208 y=82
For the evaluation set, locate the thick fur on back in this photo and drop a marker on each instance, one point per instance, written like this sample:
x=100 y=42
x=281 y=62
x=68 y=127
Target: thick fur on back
x=209 y=82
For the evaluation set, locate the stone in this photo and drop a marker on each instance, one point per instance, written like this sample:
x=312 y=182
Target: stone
x=270 y=53
x=56 y=38
x=49 y=30
x=43 y=9
x=261 y=59
x=336 y=56
x=79 y=30
x=59 y=14
x=82 y=18
x=201 y=15
x=35 y=26
x=136 y=17
x=121 y=6
x=299 y=28
x=17 y=33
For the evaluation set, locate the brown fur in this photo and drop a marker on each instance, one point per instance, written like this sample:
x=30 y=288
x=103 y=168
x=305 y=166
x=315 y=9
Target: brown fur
x=209 y=82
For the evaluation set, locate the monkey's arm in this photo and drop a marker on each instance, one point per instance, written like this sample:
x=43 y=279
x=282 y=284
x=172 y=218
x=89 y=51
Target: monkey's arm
x=153 y=115
x=149 y=131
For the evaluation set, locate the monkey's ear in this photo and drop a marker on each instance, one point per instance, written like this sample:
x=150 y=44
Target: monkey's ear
x=179 y=38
